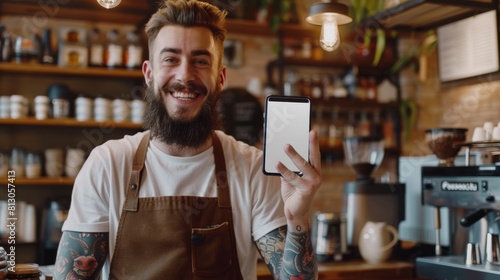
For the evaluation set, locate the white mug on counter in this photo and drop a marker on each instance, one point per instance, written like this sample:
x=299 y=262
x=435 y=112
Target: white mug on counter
x=376 y=241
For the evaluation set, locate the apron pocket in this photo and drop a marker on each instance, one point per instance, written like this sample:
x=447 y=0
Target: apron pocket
x=211 y=250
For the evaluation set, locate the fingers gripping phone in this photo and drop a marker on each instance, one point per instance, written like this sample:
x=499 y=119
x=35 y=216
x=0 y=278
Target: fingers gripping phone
x=287 y=120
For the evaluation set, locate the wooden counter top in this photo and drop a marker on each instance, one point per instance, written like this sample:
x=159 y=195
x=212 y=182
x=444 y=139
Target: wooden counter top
x=355 y=270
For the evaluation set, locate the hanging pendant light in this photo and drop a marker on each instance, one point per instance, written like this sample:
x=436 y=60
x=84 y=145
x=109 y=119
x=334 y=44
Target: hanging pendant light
x=108 y=4
x=329 y=15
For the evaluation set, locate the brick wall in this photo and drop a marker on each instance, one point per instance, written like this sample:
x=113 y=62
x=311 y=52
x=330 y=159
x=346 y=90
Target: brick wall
x=467 y=103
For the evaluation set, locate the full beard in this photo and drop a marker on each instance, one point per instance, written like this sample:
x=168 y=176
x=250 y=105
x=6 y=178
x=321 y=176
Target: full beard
x=183 y=133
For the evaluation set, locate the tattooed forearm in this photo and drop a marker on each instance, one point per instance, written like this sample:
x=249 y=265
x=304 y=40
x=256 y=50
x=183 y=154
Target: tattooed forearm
x=81 y=255
x=298 y=257
x=271 y=247
x=288 y=256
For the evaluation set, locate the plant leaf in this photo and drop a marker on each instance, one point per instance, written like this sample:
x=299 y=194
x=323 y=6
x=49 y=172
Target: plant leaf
x=380 y=46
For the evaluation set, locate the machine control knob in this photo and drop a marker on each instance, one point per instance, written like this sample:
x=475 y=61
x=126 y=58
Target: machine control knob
x=490 y=198
x=428 y=186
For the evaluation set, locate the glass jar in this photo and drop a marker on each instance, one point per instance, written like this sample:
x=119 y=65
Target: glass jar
x=25 y=271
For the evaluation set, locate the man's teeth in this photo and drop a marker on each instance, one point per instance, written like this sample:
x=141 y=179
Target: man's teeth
x=184 y=95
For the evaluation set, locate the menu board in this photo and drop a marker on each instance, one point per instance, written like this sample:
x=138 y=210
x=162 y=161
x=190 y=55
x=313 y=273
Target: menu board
x=468 y=47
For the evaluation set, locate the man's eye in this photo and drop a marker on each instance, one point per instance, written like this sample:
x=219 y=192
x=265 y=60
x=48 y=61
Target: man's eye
x=169 y=59
x=201 y=62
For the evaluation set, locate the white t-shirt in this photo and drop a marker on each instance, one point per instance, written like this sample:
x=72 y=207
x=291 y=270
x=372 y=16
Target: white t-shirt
x=99 y=190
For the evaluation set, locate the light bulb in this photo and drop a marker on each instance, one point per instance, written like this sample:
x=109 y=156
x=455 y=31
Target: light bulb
x=108 y=4
x=329 y=39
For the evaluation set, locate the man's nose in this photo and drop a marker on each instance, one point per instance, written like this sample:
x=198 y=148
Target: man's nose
x=184 y=72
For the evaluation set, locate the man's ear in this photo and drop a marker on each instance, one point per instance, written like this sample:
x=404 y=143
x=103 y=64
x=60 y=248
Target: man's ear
x=222 y=76
x=146 y=71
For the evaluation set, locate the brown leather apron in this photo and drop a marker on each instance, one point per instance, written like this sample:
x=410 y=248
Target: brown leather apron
x=176 y=237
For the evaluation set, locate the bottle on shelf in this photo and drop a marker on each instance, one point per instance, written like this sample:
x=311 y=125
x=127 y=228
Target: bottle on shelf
x=388 y=129
x=6 y=50
x=316 y=87
x=47 y=56
x=363 y=127
x=371 y=91
x=305 y=88
x=350 y=81
x=328 y=88
x=376 y=126
x=96 y=48
x=113 y=55
x=291 y=85
x=133 y=51
x=335 y=130
x=339 y=91
x=350 y=127
x=322 y=128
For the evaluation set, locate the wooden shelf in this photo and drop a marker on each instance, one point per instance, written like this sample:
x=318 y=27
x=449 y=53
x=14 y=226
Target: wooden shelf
x=69 y=122
x=423 y=15
x=346 y=104
x=45 y=181
x=43 y=69
x=130 y=12
x=248 y=27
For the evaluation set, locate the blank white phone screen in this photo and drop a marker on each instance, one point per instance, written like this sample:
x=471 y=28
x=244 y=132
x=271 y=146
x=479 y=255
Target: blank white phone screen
x=287 y=121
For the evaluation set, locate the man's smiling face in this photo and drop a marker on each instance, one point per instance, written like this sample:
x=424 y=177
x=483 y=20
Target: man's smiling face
x=185 y=69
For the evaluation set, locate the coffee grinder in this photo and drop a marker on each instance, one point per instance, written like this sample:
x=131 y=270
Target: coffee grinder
x=365 y=199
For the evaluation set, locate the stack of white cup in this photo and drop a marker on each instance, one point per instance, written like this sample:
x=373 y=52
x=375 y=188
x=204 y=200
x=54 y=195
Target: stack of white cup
x=4 y=107
x=83 y=108
x=41 y=107
x=137 y=111
x=74 y=162
x=18 y=107
x=488 y=132
x=102 y=109
x=54 y=162
x=121 y=110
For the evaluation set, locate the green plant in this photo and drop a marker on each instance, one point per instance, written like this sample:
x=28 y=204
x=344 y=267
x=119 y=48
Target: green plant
x=279 y=11
x=362 y=10
x=359 y=11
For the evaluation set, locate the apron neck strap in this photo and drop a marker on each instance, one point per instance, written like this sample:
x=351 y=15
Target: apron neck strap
x=132 y=196
x=221 y=173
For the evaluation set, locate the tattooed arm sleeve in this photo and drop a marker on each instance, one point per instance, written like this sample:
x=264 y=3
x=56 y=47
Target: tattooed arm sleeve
x=81 y=255
x=288 y=256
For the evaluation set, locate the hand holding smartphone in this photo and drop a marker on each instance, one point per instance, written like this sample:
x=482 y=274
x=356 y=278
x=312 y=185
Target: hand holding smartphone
x=287 y=120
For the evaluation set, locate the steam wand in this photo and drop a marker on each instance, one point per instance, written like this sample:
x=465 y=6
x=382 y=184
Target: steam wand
x=437 y=224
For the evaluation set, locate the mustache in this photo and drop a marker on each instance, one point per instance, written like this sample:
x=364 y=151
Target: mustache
x=191 y=87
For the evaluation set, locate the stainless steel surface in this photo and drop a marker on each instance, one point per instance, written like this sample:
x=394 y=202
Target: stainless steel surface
x=454 y=267
x=492 y=248
x=473 y=254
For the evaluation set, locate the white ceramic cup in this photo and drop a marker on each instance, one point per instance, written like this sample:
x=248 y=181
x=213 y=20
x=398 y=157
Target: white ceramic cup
x=495 y=135
x=488 y=127
x=54 y=162
x=74 y=162
x=479 y=135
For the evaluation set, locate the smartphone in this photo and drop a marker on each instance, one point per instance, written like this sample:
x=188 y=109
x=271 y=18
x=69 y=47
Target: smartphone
x=287 y=120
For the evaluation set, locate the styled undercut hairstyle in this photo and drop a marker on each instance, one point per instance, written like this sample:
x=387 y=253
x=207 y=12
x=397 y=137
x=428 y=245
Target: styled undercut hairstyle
x=188 y=13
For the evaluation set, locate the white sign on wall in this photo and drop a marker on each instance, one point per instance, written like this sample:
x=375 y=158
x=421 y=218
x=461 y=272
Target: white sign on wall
x=468 y=47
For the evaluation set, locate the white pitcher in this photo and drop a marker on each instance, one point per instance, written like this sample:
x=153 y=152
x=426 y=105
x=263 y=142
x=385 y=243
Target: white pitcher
x=376 y=241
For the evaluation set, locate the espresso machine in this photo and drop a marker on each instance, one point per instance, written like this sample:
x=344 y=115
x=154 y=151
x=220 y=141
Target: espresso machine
x=365 y=199
x=472 y=196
